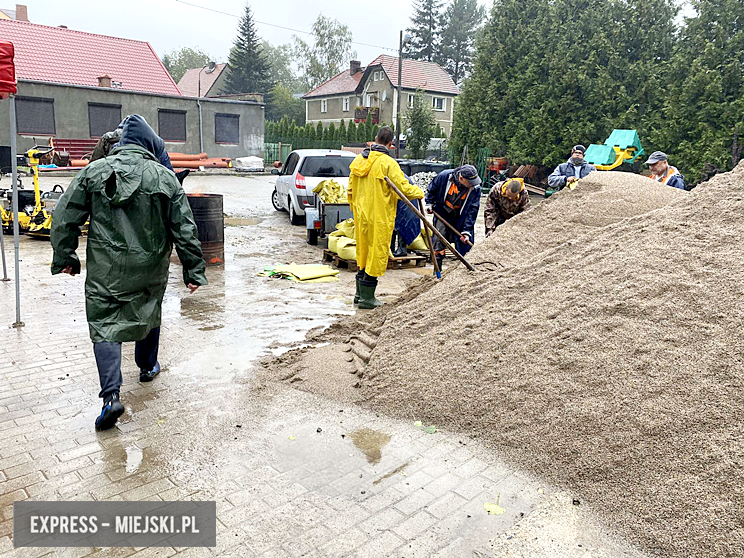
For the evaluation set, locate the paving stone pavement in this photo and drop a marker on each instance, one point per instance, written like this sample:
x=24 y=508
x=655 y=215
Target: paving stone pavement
x=292 y=474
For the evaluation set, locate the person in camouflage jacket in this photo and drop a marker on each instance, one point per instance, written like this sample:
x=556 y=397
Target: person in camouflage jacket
x=505 y=200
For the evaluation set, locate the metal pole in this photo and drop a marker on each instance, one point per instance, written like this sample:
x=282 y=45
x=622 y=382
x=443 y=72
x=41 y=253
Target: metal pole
x=431 y=227
x=14 y=171
x=2 y=249
x=400 y=99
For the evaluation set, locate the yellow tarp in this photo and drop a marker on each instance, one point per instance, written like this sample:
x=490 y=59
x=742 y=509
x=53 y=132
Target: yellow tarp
x=305 y=273
x=331 y=191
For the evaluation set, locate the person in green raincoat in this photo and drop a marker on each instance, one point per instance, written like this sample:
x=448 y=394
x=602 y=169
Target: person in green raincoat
x=374 y=205
x=138 y=211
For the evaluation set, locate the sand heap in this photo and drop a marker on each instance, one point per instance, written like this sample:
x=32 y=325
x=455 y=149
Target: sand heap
x=605 y=351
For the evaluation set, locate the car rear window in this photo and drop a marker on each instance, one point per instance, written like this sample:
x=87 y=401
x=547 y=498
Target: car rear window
x=326 y=166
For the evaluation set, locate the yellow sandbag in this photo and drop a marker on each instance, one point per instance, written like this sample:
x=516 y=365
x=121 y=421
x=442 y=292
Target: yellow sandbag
x=419 y=243
x=307 y=272
x=331 y=191
x=346 y=227
x=333 y=241
x=347 y=248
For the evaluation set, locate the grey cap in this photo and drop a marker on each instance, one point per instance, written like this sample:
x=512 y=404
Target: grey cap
x=656 y=156
x=469 y=173
x=578 y=147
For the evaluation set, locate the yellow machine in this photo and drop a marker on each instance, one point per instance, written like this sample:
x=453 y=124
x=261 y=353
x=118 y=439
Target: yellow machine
x=623 y=146
x=27 y=214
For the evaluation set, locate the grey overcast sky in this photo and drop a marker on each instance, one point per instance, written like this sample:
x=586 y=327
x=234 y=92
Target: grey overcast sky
x=168 y=25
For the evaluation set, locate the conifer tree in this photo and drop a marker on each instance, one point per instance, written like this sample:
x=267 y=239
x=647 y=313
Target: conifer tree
x=462 y=19
x=425 y=30
x=249 y=69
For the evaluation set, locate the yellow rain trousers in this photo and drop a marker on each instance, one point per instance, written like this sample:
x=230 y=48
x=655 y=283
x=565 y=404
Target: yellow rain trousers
x=374 y=205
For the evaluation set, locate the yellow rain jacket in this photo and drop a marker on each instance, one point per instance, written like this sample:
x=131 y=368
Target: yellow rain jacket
x=374 y=205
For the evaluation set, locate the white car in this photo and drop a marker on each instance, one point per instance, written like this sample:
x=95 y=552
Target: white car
x=301 y=172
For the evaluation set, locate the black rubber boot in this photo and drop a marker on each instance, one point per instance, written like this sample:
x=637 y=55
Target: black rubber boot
x=367 y=300
x=440 y=261
x=359 y=278
x=398 y=246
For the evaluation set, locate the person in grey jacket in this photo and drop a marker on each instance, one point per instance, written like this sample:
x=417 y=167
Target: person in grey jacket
x=573 y=169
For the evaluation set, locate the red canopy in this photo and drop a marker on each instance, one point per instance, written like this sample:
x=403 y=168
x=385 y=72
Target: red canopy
x=7 y=70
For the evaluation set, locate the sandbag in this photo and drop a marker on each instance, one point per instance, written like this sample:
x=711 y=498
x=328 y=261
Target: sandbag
x=347 y=227
x=347 y=248
x=419 y=243
x=333 y=239
x=331 y=191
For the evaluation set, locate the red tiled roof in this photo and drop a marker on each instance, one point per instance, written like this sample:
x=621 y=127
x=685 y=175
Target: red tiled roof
x=189 y=83
x=62 y=55
x=337 y=85
x=430 y=76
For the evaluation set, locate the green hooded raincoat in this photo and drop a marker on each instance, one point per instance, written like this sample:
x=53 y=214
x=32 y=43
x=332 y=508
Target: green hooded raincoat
x=137 y=211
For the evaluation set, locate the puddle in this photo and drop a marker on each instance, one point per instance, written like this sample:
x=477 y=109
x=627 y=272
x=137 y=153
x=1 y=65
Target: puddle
x=211 y=328
x=391 y=473
x=370 y=443
x=242 y=221
x=134 y=458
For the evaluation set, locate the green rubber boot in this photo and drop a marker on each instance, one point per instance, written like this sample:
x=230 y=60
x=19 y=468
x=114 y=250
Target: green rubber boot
x=367 y=300
x=359 y=277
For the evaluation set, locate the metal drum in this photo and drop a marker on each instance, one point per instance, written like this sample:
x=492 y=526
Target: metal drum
x=210 y=222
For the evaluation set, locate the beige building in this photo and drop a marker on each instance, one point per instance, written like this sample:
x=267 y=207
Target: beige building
x=357 y=92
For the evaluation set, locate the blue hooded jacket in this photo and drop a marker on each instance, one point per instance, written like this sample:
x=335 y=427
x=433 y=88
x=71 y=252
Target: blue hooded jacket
x=136 y=131
x=468 y=212
x=557 y=179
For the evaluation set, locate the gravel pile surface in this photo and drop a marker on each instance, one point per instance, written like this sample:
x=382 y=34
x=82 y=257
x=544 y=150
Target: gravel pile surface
x=601 y=345
x=423 y=179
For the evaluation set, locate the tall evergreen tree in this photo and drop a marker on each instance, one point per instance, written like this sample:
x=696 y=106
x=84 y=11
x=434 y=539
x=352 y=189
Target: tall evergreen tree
x=704 y=109
x=249 y=69
x=425 y=30
x=462 y=19
x=351 y=132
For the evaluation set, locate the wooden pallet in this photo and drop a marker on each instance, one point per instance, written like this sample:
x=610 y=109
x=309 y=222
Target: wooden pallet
x=411 y=260
x=338 y=262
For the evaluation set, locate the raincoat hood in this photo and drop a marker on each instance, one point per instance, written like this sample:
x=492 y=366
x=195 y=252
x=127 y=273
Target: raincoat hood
x=136 y=131
x=361 y=166
x=126 y=173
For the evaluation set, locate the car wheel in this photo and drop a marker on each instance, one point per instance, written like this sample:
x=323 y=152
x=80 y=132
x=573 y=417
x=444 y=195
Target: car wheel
x=312 y=237
x=275 y=201
x=293 y=217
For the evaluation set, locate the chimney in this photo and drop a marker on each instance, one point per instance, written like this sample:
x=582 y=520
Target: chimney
x=104 y=81
x=354 y=67
x=21 y=12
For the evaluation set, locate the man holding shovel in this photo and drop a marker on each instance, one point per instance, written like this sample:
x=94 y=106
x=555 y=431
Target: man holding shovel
x=454 y=196
x=374 y=205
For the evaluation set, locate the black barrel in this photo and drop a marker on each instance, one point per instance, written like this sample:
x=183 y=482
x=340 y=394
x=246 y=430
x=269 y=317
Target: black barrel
x=210 y=221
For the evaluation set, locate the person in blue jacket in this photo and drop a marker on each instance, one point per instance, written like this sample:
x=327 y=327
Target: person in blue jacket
x=662 y=171
x=573 y=169
x=455 y=196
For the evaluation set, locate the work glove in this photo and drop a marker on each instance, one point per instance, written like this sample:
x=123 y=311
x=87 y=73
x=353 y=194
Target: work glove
x=429 y=209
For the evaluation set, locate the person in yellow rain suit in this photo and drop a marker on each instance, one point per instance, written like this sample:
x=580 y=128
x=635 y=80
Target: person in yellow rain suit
x=374 y=205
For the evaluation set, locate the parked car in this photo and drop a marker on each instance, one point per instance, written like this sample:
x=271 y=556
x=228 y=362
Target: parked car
x=301 y=172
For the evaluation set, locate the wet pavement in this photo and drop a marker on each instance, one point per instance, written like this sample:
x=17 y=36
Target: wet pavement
x=292 y=474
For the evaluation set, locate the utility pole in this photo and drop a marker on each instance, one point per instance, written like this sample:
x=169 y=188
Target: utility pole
x=400 y=98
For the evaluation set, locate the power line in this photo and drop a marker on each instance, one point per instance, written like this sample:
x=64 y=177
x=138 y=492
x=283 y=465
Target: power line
x=277 y=26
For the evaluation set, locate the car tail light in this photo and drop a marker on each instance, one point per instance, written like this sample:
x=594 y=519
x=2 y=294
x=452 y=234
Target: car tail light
x=316 y=224
x=300 y=183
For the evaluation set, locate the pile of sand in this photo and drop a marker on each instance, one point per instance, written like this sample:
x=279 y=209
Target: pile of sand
x=604 y=351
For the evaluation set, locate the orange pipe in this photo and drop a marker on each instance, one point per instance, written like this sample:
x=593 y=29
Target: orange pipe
x=206 y=163
x=186 y=156
x=78 y=162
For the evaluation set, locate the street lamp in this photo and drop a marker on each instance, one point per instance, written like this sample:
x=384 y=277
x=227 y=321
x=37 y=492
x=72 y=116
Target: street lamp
x=403 y=39
x=211 y=67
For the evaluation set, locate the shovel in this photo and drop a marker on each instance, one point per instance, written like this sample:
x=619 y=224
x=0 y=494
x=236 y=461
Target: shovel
x=428 y=225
